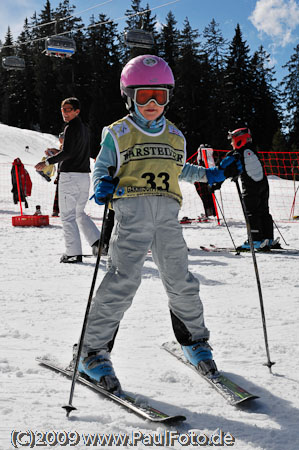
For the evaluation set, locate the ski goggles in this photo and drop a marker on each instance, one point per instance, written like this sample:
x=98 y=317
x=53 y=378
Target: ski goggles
x=143 y=96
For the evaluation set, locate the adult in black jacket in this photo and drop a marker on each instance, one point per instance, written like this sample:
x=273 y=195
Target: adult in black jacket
x=74 y=167
x=255 y=191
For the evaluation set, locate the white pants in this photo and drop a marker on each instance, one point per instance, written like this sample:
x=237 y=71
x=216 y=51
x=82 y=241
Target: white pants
x=145 y=223
x=73 y=194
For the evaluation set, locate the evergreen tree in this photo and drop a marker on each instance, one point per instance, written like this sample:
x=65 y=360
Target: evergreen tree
x=54 y=76
x=187 y=109
x=265 y=119
x=279 y=143
x=168 y=41
x=45 y=85
x=238 y=84
x=139 y=18
x=290 y=86
x=104 y=67
x=65 y=68
x=11 y=86
x=215 y=46
x=28 y=114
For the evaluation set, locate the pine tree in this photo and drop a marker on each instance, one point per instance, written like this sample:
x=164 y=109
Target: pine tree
x=45 y=85
x=104 y=67
x=215 y=47
x=265 y=119
x=10 y=83
x=28 y=114
x=279 y=143
x=238 y=83
x=54 y=76
x=187 y=109
x=168 y=41
x=139 y=18
x=290 y=86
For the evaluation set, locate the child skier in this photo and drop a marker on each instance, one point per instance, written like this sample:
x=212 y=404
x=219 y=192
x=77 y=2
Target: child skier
x=149 y=155
x=255 y=192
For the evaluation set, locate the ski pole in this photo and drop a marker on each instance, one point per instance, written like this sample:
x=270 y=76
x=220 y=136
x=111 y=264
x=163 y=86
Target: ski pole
x=280 y=233
x=227 y=227
x=70 y=406
x=269 y=363
x=293 y=204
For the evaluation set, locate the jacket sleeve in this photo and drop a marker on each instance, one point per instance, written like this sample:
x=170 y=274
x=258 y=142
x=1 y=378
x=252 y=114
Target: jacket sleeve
x=66 y=150
x=192 y=173
x=106 y=158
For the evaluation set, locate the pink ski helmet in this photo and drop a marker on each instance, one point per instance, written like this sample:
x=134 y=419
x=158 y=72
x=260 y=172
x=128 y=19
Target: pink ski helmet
x=145 y=71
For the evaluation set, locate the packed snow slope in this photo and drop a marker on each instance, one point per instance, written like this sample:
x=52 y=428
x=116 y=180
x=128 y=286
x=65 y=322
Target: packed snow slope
x=42 y=308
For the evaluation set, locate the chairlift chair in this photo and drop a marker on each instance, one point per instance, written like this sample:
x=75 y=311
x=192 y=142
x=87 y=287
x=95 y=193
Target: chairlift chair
x=139 y=38
x=60 y=46
x=13 y=63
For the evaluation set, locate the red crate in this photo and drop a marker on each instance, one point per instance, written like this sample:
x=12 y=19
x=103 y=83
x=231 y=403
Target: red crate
x=30 y=221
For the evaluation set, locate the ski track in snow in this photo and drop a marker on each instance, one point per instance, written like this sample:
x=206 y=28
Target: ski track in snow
x=42 y=308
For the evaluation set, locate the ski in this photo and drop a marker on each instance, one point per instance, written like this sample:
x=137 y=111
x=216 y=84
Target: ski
x=233 y=393
x=272 y=251
x=128 y=401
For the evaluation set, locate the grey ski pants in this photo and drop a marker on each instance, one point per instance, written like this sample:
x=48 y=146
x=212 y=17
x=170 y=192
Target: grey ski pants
x=144 y=223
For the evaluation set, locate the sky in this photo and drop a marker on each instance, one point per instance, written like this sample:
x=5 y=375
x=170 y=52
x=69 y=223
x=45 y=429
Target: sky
x=271 y=23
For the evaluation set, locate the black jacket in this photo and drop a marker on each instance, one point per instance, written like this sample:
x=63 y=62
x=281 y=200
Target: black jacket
x=253 y=177
x=75 y=153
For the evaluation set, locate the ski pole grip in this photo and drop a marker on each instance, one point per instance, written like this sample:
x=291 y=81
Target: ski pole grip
x=111 y=171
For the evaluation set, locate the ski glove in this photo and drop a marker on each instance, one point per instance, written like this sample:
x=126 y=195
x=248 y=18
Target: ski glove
x=232 y=166
x=229 y=167
x=105 y=189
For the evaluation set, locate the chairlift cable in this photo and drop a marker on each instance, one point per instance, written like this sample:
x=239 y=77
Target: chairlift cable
x=69 y=17
x=118 y=19
x=139 y=13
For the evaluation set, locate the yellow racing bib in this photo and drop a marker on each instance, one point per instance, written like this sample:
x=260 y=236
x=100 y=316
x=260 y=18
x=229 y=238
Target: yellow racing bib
x=148 y=164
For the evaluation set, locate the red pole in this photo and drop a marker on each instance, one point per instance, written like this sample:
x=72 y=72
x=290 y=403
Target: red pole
x=18 y=185
x=213 y=195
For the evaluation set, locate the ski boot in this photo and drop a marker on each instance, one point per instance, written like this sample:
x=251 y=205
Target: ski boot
x=274 y=243
x=268 y=244
x=98 y=368
x=246 y=246
x=95 y=249
x=200 y=355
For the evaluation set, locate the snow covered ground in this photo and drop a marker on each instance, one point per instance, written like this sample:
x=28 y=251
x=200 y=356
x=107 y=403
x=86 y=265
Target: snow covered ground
x=42 y=308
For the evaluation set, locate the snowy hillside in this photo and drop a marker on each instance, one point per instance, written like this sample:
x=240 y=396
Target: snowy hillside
x=42 y=304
